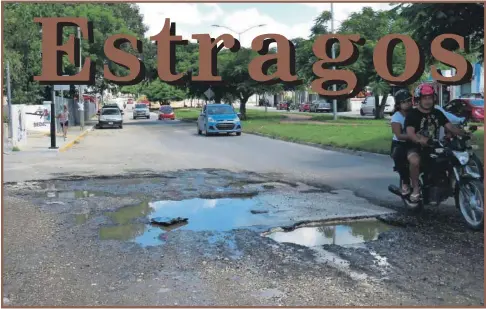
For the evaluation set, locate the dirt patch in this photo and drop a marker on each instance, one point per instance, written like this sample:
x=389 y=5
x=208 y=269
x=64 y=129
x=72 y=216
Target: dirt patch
x=305 y=121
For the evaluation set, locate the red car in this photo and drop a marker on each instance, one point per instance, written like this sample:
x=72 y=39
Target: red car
x=166 y=112
x=470 y=108
x=304 y=107
x=281 y=106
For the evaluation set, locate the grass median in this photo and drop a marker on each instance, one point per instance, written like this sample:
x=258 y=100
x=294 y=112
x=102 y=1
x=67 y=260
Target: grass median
x=354 y=134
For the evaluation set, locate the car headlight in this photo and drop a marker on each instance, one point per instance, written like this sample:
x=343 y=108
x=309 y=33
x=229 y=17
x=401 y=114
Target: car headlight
x=236 y=119
x=463 y=157
x=210 y=119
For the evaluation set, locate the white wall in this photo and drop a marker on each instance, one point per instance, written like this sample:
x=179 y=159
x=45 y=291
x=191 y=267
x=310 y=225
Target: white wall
x=19 y=132
x=36 y=123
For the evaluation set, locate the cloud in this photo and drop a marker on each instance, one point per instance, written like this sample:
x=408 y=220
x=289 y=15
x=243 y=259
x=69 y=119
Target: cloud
x=192 y=18
x=154 y=15
x=189 y=17
x=245 y=19
x=343 y=10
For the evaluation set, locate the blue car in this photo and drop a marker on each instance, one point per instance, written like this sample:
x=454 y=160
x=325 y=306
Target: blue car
x=218 y=118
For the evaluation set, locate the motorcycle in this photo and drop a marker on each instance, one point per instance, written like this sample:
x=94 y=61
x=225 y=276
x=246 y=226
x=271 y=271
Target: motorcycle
x=448 y=173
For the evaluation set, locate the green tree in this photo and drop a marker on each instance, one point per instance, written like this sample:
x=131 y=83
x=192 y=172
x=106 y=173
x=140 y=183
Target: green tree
x=22 y=44
x=373 y=25
x=163 y=92
x=429 y=20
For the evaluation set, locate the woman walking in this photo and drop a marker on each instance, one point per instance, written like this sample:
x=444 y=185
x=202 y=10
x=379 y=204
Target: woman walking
x=64 y=120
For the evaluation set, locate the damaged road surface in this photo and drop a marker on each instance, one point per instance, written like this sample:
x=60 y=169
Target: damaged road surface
x=221 y=238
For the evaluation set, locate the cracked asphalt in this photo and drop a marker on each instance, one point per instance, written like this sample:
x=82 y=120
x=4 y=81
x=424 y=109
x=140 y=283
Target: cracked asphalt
x=77 y=227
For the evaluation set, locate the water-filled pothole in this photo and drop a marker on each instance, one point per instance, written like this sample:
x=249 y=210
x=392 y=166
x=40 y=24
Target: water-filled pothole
x=220 y=215
x=347 y=233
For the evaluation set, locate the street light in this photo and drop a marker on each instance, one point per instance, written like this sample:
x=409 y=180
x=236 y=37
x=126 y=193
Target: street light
x=334 y=102
x=239 y=33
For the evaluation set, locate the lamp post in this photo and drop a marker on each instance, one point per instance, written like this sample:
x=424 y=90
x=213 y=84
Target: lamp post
x=239 y=33
x=80 y=96
x=334 y=102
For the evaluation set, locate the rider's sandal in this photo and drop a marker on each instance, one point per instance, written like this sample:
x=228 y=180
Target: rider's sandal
x=414 y=198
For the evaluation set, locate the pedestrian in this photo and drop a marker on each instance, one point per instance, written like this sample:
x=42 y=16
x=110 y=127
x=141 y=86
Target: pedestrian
x=64 y=120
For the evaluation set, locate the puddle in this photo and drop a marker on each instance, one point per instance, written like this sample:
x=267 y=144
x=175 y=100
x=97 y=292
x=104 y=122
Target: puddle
x=332 y=234
x=218 y=215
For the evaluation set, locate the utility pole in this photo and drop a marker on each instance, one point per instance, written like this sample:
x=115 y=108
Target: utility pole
x=53 y=120
x=334 y=102
x=9 y=102
x=80 y=96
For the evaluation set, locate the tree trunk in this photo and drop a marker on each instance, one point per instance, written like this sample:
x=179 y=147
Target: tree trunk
x=377 y=106
x=243 y=107
x=380 y=107
x=217 y=98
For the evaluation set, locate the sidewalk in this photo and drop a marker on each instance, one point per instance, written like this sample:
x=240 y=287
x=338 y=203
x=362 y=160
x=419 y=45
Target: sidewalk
x=40 y=141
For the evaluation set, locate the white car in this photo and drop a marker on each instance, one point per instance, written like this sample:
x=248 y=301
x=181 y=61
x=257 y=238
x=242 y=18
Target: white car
x=141 y=110
x=110 y=117
x=368 y=106
x=320 y=105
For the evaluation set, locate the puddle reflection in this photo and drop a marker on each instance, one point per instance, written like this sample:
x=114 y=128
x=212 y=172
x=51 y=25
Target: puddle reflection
x=343 y=234
x=204 y=215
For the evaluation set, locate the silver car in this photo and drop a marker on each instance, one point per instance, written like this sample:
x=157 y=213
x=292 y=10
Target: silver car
x=110 y=117
x=141 y=110
x=320 y=105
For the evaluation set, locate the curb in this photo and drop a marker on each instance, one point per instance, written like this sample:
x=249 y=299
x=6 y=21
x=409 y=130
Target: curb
x=331 y=148
x=70 y=144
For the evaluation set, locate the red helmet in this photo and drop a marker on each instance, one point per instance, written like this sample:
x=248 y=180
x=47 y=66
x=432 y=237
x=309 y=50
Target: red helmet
x=424 y=90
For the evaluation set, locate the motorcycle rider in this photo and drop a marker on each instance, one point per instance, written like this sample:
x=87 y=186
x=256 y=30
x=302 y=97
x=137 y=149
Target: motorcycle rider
x=403 y=104
x=423 y=124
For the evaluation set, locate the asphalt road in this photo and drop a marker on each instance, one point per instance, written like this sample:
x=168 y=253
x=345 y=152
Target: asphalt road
x=150 y=144
x=82 y=239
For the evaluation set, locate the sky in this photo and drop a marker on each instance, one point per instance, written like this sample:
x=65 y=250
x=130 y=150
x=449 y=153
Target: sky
x=291 y=20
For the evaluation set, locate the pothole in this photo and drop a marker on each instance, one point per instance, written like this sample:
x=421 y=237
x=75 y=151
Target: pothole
x=346 y=233
x=132 y=223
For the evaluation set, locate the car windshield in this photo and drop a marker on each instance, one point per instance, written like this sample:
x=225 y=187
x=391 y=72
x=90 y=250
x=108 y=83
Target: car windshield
x=110 y=111
x=220 y=110
x=477 y=102
x=140 y=106
x=166 y=109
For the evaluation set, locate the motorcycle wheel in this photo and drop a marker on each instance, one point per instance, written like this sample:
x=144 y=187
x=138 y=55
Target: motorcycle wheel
x=476 y=163
x=469 y=198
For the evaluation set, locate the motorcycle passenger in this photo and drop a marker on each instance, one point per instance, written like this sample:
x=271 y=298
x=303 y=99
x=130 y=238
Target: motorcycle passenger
x=422 y=124
x=403 y=104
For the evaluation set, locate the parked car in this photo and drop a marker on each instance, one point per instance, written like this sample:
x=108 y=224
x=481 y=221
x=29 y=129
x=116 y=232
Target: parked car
x=304 y=107
x=472 y=96
x=110 y=117
x=218 y=118
x=141 y=110
x=282 y=106
x=320 y=105
x=472 y=109
x=368 y=106
x=166 y=112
